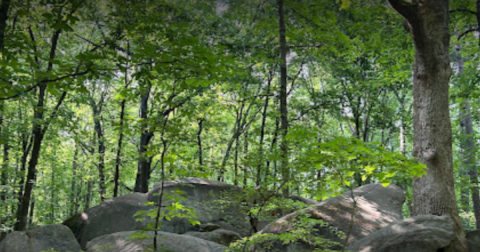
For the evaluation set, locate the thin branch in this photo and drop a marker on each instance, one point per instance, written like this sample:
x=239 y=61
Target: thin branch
x=466 y=32
x=464 y=11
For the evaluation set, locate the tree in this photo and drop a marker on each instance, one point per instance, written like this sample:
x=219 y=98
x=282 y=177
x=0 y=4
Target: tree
x=435 y=192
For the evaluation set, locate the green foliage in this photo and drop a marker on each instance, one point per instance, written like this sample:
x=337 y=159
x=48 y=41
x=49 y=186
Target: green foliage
x=299 y=232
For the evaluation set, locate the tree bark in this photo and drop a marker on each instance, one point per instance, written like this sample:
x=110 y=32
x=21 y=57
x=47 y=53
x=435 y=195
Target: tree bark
x=73 y=185
x=97 y=122
x=199 y=143
x=433 y=193
x=283 y=98
x=144 y=162
x=258 y=180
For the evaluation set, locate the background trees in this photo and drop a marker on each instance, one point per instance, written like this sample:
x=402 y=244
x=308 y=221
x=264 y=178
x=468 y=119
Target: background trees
x=94 y=94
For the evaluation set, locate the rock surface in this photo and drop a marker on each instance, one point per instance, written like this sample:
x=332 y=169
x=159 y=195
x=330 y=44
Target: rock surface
x=473 y=238
x=111 y=216
x=42 y=238
x=214 y=202
x=377 y=207
x=220 y=236
x=119 y=242
x=116 y=215
x=426 y=233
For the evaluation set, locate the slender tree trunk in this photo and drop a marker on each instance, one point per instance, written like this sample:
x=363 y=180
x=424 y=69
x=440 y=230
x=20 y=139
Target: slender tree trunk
x=144 y=162
x=32 y=211
x=97 y=121
x=52 y=193
x=235 y=164
x=283 y=98
x=199 y=142
x=433 y=193
x=88 y=196
x=258 y=180
x=272 y=150
x=245 y=156
x=73 y=186
x=4 y=7
x=116 y=176
x=22 y=211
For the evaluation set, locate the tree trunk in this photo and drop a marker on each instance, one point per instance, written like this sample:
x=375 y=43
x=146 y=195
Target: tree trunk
x=73 y=186
x=22 y=211
x=258 y=180
x=199 y=142
x=97 y=121
x=433 y=193
x=116 y=177
x=283 y=98
x=144 y=162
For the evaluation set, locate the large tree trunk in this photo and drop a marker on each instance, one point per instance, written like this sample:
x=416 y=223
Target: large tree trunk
x=433 y=193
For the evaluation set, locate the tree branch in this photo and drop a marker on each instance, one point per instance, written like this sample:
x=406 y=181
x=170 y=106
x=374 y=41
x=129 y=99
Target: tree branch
x=466 y=32
x=464 y=11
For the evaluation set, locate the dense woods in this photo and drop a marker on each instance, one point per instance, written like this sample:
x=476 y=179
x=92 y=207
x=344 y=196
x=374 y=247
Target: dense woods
x=305 y=97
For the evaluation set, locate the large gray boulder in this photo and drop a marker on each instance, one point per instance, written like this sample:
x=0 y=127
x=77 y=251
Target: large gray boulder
x=41 y=238
x=376 y=208
x=116 y=215
x=120 y=242
x=426 y=233
x=111 y=216
x=215 y=202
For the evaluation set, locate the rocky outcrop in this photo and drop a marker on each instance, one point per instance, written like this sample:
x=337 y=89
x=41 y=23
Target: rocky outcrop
x=41 y=238
x=120 y=242
x=111 y=216
x=117 y=215
x=220 y=236
x=376 y=208
x=426 y=233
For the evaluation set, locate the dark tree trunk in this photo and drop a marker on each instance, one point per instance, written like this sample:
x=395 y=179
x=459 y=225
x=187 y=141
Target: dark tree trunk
x=116 y=177
x=245 y=156
x=283 y=98
x=3 y=21
x=97 y=122
x=144 y=162
x=73 y=185
x=199 y=142
x=258 y=179
x=22 y=211
x=433 y=193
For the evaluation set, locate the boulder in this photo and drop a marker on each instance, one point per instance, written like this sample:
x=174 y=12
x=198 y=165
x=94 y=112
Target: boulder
x=116 y=215
x=473 y=238
x=57 y=237
x=111 y=216
x=376 y=208
x=214 y=201
x=425 y=233
x=120 y=242
x=220 y=236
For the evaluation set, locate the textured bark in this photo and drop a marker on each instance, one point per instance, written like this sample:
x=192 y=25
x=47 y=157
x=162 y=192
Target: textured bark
x=283 y=98
x=144 y=162
x=116 y=177
x=433 y=193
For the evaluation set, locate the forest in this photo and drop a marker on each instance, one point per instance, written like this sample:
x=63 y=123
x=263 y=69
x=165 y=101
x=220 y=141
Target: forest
x=313 y=98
